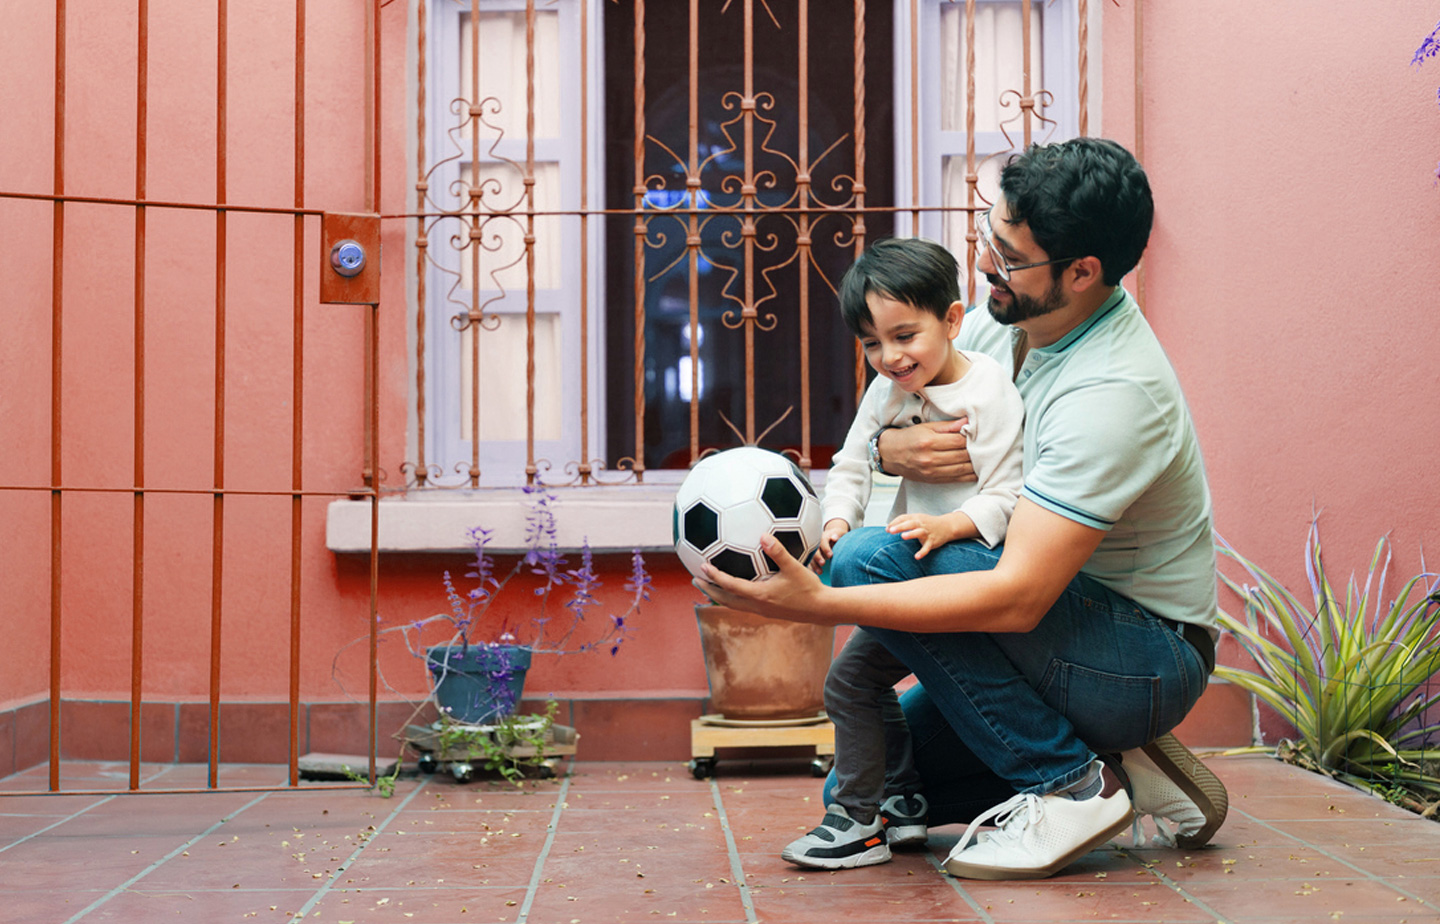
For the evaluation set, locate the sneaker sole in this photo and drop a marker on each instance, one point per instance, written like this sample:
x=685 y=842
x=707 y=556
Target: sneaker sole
x=875 y=855
x=1196 y=780
x=968 y=871
x=907 y=835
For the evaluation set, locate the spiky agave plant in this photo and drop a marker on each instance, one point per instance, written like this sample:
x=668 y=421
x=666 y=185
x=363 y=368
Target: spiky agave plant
x=1351 y=674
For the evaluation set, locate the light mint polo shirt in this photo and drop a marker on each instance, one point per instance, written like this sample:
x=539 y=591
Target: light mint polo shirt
x=1109 y=443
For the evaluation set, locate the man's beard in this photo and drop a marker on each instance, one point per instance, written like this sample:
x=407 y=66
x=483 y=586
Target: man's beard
x=1023 y=307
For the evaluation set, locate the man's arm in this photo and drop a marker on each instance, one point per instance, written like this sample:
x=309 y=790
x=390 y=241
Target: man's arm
x=932 y=452
x=1043 y=552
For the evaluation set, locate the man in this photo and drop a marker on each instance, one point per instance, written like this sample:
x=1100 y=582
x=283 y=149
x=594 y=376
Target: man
x=1092 y=630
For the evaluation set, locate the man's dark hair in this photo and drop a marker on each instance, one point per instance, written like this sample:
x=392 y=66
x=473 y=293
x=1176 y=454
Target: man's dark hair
x=1086 y=197
x=908 y=269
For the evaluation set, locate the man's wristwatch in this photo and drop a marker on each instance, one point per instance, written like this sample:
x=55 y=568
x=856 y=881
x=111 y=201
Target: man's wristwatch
x=875 y=464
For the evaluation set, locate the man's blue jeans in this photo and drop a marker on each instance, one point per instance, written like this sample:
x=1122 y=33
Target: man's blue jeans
x=1000 y=713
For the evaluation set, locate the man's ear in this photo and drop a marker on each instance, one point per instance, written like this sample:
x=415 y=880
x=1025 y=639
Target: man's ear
x=1085 y=273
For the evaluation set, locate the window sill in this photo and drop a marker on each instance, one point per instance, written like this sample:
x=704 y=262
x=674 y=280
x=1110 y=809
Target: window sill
x=613 y=519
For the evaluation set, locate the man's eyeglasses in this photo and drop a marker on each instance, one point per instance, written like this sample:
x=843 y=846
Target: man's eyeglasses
x=1004 y=268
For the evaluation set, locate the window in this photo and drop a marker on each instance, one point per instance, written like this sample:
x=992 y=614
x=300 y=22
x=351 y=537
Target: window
x=723 y=246
x=494 y=377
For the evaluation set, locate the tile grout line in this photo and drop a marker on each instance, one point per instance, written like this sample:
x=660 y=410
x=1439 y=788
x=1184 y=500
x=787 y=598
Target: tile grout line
x=355 y=854
x=1374 y=877
x=1154 y=870
x=57 y=824
x=125 y=886
x=960 y=890
x=736 y=869
x=533 y=888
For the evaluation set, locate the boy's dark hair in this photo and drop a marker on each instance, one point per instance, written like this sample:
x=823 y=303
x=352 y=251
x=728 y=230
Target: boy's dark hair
x=1081 y=198
x=908 y=269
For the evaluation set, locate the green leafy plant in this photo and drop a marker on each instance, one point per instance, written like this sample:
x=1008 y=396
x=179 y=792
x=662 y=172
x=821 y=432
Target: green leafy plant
x=384 y=784
x=1350 y=672
x=508 y=746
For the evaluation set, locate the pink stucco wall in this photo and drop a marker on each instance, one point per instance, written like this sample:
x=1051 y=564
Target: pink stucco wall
x=1292 y=271
x=1291 y=150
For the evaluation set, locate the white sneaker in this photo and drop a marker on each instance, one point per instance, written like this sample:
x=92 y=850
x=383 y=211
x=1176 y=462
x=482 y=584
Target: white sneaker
x=1169 y=783
x=1037 y=836
x=840 y=843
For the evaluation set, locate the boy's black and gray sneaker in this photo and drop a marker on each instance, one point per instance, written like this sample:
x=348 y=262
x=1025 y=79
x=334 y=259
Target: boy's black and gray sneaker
x=840 y=843
x=905 y=818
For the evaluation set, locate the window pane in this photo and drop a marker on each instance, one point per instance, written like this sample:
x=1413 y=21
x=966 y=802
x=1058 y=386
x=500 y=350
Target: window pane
x=999 y=63
x=501 y=245
x=502 y=73
x=502 y=378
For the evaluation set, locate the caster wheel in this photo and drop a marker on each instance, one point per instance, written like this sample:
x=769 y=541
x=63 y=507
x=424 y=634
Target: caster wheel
x=820 y=766
x=462 y=772
x=702 y=767
x=428 y=764
x=546 y=771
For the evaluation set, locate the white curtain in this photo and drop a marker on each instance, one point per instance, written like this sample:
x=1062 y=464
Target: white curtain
x=999 y=67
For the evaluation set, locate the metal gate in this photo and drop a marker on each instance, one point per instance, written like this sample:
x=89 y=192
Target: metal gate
x=192 y=180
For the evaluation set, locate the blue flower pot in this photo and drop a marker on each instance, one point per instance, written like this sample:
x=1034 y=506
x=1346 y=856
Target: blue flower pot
x=477 y=684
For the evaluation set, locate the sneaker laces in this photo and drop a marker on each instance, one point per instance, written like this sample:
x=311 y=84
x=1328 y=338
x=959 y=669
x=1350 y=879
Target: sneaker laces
x=1012 y=818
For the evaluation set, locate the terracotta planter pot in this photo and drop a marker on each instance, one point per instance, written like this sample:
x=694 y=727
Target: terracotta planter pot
x=763 y=668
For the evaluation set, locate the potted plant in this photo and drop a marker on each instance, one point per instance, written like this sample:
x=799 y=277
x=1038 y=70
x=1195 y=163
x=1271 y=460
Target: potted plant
x=477 y=674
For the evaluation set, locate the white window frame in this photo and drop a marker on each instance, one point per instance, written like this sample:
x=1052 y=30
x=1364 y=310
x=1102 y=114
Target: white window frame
x=502 y=462
x=1059 y=20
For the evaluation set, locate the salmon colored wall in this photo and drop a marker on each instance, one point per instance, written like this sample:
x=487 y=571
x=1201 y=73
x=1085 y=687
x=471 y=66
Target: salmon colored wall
x=1290 y=275
x=1292 y=271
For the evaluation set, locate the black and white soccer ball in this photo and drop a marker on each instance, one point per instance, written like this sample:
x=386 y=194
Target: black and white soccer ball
x=731 y=499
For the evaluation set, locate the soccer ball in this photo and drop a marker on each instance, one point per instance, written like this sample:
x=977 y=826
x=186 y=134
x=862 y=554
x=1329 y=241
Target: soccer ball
x=731 y=499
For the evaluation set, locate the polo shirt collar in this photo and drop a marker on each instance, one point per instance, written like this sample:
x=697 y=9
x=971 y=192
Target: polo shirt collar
x=1116 y=299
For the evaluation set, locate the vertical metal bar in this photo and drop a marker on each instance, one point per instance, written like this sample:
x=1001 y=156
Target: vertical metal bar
x=372 y=196
x=802 y=239
x=372 y=130
x=297 y=396
x=584 y=243
x=1140 y=126
x=137 y=570
x=422 y=243
x=57 y=301
x=530 y=242
x=217 y=569
x=639 y=191
x=747 y=226
x=1026 y=100
x=915 y=117
x=692 y=238
x=858 y=222
x=473 y=326
x=972 y=175
x=1083 y=11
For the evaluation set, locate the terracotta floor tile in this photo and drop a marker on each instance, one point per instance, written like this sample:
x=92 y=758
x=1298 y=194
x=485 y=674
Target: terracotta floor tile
x=874 y=903
x=1317 y=899
x=647 y=842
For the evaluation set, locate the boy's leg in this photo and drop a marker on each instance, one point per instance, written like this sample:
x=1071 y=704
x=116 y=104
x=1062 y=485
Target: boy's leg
x=860 y=700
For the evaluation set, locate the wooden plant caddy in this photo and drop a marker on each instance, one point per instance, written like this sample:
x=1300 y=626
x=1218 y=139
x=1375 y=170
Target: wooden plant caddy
x=716 y=731
x=425 y=740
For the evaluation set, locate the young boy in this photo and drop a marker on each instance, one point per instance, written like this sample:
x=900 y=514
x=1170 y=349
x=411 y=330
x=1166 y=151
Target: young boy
x=901 y=298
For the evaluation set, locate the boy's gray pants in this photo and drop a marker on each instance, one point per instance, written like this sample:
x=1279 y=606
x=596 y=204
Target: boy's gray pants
x=873 y=755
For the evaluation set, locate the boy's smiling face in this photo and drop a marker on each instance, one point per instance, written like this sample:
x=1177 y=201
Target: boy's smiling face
x=909 y=345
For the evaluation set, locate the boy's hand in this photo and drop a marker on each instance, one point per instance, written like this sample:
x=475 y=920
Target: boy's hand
x=932 y=531
x=834 y=529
